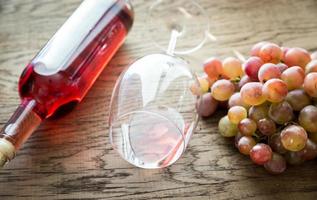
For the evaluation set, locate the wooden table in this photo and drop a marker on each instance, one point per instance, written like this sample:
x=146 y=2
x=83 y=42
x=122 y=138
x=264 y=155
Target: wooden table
x=71 y=158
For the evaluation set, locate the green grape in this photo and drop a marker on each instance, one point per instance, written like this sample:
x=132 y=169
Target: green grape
x=298 y=99
x=268 y=71
x=297 y=57
x=245 y=144
x=271 y=53
x=275 y=90
x=259 y=112
x=213 y=68
x=232 y=68
x=247 y=127
x=251 y=94
x=237 y=113
x=276 y=144
x=266 y=126
x=261 y=154
x=206 y=105
x=226 y=128
x=276 y=165
x=236 y=100
x=293 y=77
x=222 y=90
x=294 y=138
x=307 y=118
x=310 y=84
x=281 y=113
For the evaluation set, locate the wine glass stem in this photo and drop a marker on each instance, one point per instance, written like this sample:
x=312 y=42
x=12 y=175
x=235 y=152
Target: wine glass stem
x=172 y=42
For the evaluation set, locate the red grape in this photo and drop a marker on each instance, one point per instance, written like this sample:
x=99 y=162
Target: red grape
x=298 y=99
x=311 y=66
x=206 y=105
x=310 y=151
x=310 y=84
x=252 y=66
x=293 y=77
x=282 y=67
x=251 y=93
x=276 y=165
x=297 y=57
x=261 y=154
x=247 y=127
x=266 y=126
x=259 y=112
x=271 y=53
x=213 y=68
x=276 y=144
x=255 y=50
x=313 y=56
x=268 y=71
x=308 y=118
x=281 y=113
x=244 y=80
x=245 y=144
x=275 y=90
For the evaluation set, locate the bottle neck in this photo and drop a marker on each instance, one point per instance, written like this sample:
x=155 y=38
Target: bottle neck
x=17 y=130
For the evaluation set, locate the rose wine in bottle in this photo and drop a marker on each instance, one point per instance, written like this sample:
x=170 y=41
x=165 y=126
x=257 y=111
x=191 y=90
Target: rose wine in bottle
x=61 y=74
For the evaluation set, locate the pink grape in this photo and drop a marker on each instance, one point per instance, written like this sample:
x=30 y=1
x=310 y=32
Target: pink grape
x=311 y=66
x=310 y=84
x=294 y=138
x=232 y=68
x=308 y=118
x=251 y=93
x=247 y=127
x=275 y=90
x=293 y=77
x=298 y=99
x=213 y=68
x=282 y=67
x=222 y=90
x=297 y=57
x=237 y=113
x=236 y=100
x=206 y=105
x=281 y=112
x=266 y=126
x=261 y=154
x=259 y=112
x=237 y=137
x=268 y=71
x=276 y=165
x=255 y=50
x=284 y=50
x=271 y=53
x=252 y=66
x=310 y=150
x=244 y=80
x=276 y=144
x=245 y=144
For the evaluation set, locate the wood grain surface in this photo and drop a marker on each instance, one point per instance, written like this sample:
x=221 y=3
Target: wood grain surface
x=71 y=158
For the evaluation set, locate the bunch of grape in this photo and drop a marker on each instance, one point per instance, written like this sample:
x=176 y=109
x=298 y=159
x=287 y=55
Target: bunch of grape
x=272 y=103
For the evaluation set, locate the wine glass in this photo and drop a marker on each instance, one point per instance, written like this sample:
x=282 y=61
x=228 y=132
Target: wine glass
x=152 y=110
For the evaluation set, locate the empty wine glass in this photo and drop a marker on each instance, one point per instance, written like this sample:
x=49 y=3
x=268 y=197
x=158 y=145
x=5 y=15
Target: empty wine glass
x=152 y=110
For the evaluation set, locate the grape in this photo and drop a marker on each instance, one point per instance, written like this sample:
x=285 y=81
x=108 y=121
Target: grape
x=308 y=118
x=276 y=165
x=237 y=138
x=213 y=68
x=282 y=67
x=245 y=144
x=310 y=151
x=232 y=68
x=294 y=138
x=259 y=112
x=261 y=153
x=284 y=50
x=226 y=128
x=206 y=105
x=256 y=48
x=297 y=57
x=313 y=56
x=268 y=71
x=252 y=66
x=276 y=144
x=298 y=99
x=251 y=93
x=247 y=127
x=244 y=80
x=310 y=84
x=236 y=100
x=293 y=77
x=281 y=113
x=311 y=66
x=222 y=90
x=275 y=90
x=266 y=126
x=201 y=88
x=223 y=104
x=271 y=53
x=293 y=158
x=313 y=137
x=237 y=113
